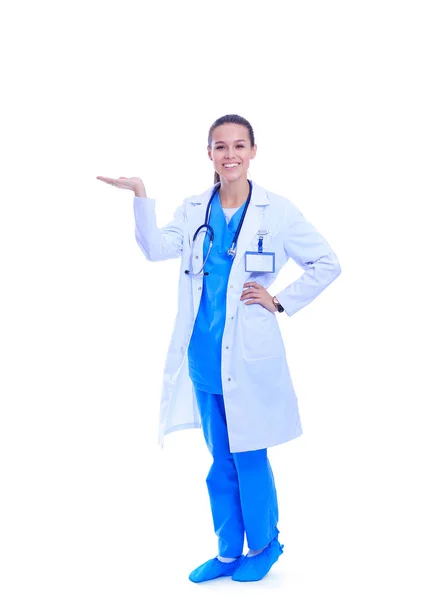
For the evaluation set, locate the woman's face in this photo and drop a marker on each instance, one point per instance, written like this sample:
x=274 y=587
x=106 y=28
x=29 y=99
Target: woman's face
x=230 y=151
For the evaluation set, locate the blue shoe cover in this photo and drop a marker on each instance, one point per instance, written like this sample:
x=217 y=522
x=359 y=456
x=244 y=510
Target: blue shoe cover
x=256 y=567
x=214 y=568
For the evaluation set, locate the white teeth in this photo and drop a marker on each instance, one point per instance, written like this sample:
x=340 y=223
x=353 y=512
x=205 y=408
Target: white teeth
x=232 y=165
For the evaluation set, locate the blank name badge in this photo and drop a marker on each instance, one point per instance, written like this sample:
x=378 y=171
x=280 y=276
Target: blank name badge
x=263 y=262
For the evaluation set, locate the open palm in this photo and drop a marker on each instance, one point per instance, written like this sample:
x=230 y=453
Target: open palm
x=126 y=183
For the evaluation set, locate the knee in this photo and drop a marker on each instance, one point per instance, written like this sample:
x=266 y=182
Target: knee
x=253 y=459
x=222 y=469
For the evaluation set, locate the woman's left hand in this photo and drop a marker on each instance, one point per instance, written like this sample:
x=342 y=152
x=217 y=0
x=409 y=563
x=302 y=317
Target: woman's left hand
x=257 y=294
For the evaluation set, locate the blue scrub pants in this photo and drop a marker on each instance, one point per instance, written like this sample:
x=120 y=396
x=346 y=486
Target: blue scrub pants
x=240 y=484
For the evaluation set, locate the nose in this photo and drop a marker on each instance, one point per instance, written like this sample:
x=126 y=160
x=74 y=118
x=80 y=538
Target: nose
x=230 y=153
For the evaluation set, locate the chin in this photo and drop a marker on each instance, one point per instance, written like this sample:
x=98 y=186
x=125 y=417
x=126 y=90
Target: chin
x=232 y=176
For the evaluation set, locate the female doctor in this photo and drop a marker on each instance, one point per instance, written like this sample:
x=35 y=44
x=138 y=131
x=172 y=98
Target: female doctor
x=226 y=369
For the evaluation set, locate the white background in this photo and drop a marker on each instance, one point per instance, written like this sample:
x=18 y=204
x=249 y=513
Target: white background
x=91 y=507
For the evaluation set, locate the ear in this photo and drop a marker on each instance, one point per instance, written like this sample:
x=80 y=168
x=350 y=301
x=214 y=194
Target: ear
x=253 y=151
x=209 y=153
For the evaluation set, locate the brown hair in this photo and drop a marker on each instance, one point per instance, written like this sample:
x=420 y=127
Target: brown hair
x=230 y=119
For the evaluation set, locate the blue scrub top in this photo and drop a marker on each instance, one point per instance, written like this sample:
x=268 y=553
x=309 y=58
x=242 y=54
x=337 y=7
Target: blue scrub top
x=204 y=352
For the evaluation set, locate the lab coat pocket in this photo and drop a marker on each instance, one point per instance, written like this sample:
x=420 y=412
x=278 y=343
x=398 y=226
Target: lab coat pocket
x=260 y=334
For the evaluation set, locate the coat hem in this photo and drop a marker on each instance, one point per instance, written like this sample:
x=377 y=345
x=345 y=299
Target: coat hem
x=261 y=447
x=181 y=427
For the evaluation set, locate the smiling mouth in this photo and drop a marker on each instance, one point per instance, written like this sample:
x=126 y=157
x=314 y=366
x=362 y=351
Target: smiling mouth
x=231 y=165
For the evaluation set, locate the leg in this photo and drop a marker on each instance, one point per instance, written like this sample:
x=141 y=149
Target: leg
x=222 y=480
x=260 y=512
x=259 y=504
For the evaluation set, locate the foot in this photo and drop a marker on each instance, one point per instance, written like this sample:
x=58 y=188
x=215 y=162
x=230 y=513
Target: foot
x=214 y=568
x=254 y=568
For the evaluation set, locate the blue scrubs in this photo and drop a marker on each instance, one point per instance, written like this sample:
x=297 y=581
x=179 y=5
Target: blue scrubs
x=205 y=345
x=241 y=486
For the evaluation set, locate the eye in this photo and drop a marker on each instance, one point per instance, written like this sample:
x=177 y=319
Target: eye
x=221 y=147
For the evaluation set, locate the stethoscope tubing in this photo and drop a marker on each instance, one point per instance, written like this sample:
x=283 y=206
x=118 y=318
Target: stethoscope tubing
x=209 y=227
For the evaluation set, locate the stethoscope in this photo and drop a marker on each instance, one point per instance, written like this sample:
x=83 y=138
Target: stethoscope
x=208 y=228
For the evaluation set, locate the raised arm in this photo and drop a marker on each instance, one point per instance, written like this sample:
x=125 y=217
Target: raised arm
x=155 y=243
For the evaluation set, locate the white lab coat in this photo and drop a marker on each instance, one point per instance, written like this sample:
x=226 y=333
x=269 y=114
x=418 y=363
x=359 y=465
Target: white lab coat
x=260 y=402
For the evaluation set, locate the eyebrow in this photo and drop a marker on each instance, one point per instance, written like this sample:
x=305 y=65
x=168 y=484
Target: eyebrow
x=234 y=140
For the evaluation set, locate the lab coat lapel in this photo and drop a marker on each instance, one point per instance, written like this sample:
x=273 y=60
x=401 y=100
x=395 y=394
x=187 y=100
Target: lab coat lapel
x=252 y=221
x=196 y=214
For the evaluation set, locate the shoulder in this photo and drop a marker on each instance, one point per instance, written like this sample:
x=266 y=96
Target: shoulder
x=278 y=203
x=201 y=197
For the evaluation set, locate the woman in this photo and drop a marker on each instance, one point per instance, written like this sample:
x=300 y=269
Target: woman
x=226 y=369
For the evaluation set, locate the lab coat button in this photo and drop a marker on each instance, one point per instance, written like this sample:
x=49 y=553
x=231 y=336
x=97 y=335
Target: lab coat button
x=227 y=347
x=229 y=378
x=199 y=288
x=182 y=349
x=197 y=257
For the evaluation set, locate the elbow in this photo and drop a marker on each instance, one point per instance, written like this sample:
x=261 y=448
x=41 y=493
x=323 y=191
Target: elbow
x=147 y=247
x=338 y=269
x=153 y=257
x=334 y=267
x=150 y=254
x=330 y=267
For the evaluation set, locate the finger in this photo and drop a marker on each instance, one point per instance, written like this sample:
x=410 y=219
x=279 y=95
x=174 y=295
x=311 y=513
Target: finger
x=261 y=304
x=256 y=296
x=251 y=284
x=252 y=294
x=107 y=179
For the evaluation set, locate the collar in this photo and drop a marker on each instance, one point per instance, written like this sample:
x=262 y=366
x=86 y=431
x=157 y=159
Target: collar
x=259 y=196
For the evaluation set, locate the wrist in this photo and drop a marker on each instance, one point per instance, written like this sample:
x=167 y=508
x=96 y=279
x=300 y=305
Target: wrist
x=277 y=304
x=140 y=192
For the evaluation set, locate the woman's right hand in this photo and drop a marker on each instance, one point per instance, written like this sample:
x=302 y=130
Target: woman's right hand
x=135 y=184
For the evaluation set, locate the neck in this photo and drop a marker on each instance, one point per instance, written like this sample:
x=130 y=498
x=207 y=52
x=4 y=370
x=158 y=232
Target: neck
x=233 y=193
